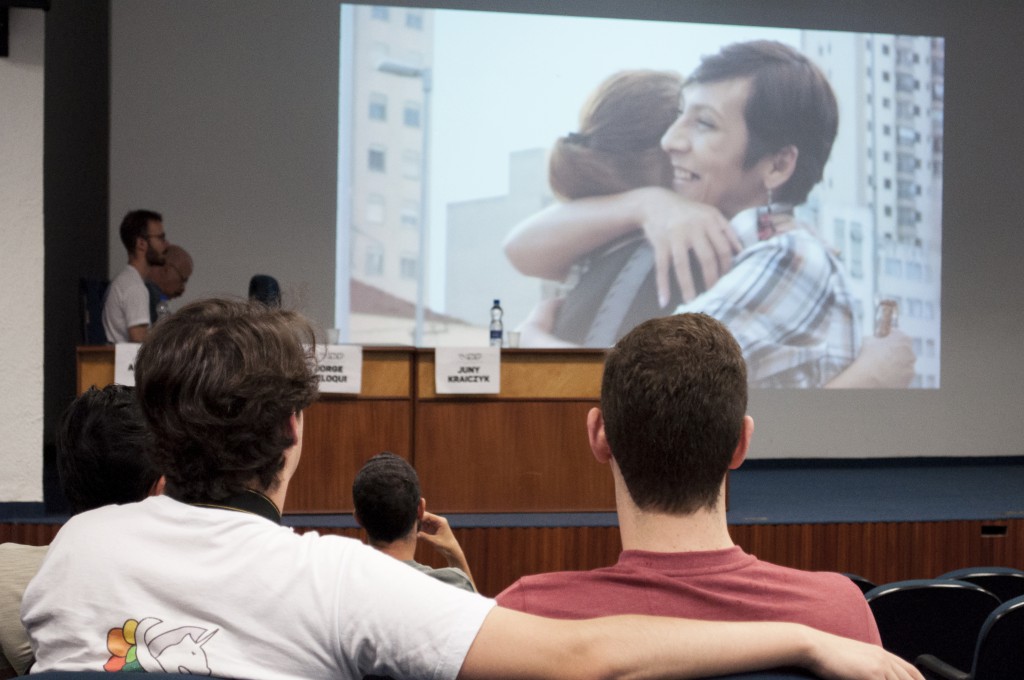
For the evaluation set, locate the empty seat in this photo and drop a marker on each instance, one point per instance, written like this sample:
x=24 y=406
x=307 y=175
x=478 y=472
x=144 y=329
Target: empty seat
x=1005 y=583
x=931 y=616
x=999 y=654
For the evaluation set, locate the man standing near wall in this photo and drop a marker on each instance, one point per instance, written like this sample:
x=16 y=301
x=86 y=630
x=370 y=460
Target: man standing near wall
x=126 y=308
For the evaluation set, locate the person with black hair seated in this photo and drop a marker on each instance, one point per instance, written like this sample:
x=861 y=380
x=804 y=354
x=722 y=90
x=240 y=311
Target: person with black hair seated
x=103 y=457
x=388 y=505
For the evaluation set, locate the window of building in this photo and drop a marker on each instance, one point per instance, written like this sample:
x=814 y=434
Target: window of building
x=375 y=209
x=856 y=259
x=906 y=82
x=414 y=19
x=373 y=264
x=915 y=272
x=380 y=13
x=906 y=162
x=906 y=189
x=410 y=215
x=408 y=267
x=411 y=164
x=411 y=114
x=906 y=134
x=376 y=159
x=378 y=106
x=894 y=267
x=913 y=304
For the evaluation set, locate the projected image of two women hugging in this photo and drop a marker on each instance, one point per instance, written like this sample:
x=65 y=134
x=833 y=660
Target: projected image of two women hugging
x=678 y=196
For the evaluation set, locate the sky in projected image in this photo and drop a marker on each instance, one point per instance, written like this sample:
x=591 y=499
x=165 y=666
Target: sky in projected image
x=506 y=86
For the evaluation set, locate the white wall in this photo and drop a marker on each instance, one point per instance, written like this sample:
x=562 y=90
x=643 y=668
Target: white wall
x=21 y=260
x=223 y=117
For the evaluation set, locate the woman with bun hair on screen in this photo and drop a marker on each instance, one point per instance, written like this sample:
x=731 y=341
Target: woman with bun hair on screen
x=617 y=156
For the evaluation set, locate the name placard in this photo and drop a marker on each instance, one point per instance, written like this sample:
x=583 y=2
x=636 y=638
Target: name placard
x=340 y=368
x=467 y=370
x=124 y=363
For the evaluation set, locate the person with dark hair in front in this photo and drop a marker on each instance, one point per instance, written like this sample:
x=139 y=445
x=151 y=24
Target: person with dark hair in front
x=126 y=308
x=754 y=132
x=204 y=580
x=264 y=288
x=103 y=457
x=388 y=505
x=672 y=422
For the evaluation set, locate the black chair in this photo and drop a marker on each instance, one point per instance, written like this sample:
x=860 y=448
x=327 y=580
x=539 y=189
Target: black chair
x=931 y=616
x=999 y=654
x=92 y=293
x=1005 y=583
x=861 y=582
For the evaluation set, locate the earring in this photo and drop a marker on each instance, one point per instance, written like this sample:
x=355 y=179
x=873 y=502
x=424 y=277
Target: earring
x=765 y=220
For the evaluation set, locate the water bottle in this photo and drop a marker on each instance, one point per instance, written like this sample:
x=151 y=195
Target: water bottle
x=163 y=308
x=496 y=327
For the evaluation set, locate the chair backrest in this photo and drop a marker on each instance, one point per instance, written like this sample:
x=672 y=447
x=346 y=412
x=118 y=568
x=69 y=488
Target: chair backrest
x=931 y=616
x=1000 y=653
x=1005 y=583
x=92 y=293
x=861 y=582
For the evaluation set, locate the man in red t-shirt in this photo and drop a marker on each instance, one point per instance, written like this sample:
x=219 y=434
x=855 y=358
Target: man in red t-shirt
x=672 y=422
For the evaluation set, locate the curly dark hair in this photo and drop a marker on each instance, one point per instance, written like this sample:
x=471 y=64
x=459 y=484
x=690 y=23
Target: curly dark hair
x=218 y=382
x=673 y=398
x=386 y=496
x=104 y=450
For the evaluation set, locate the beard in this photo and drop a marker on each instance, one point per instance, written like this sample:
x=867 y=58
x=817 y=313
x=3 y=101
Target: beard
x=153 y=257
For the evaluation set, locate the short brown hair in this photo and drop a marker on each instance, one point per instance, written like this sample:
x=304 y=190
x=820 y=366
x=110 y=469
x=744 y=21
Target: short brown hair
x=135 y=225
x=791 y=102
x=218 y=381
x=673 y=398
x=618 y=144
x=386 y=497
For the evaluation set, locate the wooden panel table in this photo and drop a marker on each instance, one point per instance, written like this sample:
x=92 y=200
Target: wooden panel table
x=523 y=450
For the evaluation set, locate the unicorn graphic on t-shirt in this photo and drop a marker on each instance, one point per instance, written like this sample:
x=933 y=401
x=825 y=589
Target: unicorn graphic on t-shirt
x=147 y=646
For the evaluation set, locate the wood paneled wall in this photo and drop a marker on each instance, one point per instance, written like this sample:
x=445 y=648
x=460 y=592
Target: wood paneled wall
x=879 y=551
